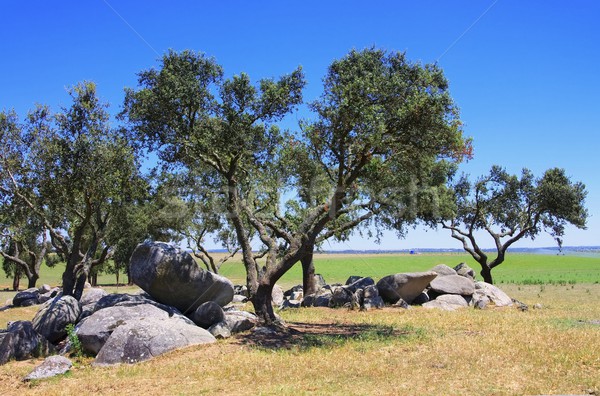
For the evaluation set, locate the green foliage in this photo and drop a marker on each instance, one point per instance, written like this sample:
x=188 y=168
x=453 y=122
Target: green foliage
x=509 y=208
x=74 y=176
x=76 y=347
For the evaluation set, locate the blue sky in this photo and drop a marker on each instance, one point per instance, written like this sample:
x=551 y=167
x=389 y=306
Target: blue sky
x=525 y=74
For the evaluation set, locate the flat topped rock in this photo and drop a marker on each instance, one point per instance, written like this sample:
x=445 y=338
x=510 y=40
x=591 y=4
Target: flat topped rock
x=144 y=338
x=453 y=284
x=51 y=367
x=171 y=276
x=405 y=286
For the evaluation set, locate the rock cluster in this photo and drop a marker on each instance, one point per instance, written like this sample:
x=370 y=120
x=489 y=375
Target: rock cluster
x=128 y=328
x=183 y=305
x=442 y=287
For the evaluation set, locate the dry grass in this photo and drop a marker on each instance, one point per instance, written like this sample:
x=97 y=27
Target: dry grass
x=553 y=350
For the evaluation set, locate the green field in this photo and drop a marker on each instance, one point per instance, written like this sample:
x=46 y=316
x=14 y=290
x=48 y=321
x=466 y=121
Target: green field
x=518 y=269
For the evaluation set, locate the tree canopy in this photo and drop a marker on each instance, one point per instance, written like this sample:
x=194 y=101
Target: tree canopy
x=509 y=208
x=74 y=176
x=378 y=114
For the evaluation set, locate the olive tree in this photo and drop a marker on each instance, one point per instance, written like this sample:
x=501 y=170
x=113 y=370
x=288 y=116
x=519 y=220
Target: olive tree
x=378 y=112
x=508 y=208
x=75 y=179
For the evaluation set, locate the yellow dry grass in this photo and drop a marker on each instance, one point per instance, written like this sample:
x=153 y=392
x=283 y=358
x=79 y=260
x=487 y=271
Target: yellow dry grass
x=553 y=350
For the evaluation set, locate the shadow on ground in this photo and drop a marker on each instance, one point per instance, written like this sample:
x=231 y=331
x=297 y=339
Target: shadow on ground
x=299 y=335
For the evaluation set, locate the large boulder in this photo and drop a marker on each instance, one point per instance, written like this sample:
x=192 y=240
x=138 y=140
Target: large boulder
x=6 y=347
x=321 y=298
x=371 y=298
x=453 y=284
x=92 y=296
x=171 y=276
x=26 y=298
x=343 y=297
x=405 y=286
x=463 y=269
x=360 y=283
x=492 y=293
x=238 y=321
x=24 y=342
x=447 y=302
x=277 y=295
x=443 y=270
x=54 y=316
x=130 y=300
x=95 y=330
x=208 y=314
x=141 y=339
x=50 y=367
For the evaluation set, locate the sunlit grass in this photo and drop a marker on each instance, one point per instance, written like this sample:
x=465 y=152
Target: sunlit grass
x=552 y=350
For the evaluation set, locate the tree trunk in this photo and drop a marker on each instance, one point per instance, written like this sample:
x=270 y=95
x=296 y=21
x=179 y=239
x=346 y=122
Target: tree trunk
x=309 y=285
x=129 y=280
x=486 y=274
x=79 y=286
x=32 y=281
x=16 y=278
x=262 y=303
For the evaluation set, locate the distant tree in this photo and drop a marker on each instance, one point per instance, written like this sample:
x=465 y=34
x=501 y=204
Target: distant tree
x=76 y=178
x=378 y=111
x=509 y=208
x=23 y=239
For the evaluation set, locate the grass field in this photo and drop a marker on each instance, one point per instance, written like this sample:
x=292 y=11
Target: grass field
x=552 y=350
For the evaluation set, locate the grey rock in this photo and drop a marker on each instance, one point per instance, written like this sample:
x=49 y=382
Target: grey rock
x=130 y=300
x=371 y=298
x=479 y=299
x=26 y=342
x=238 y=321
x=220 y=330
x=294 y=289
x=405 y=286
x=50 y=367
x=319 y=299
x=26 y=298
x=401 y=304
x=54 y=316
x=341 y=297
x=453 y=284
x=352 y=279
x=443 y=270
x=495 y=295
x=208 y=314
x=6 y=347
x=360 y=283
x=95 y=330
x=291 y=303
x=45 y=288
x=463 y=269
x=277 y=295
x=144 y=338
x=239 y=298
x=297 y=295
x=447 y=302
x=421 y=299
x=240 y=289
x=320 y=281
x=92 y=296
x=171 y=276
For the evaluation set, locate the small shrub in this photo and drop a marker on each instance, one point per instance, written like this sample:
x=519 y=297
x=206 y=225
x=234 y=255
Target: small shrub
x=76 y=347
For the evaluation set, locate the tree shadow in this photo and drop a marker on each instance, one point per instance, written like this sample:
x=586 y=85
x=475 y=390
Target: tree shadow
x=304 y=336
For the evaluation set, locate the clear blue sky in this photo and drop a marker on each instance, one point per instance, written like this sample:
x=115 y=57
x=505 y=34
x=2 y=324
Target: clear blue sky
x=526 y=75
